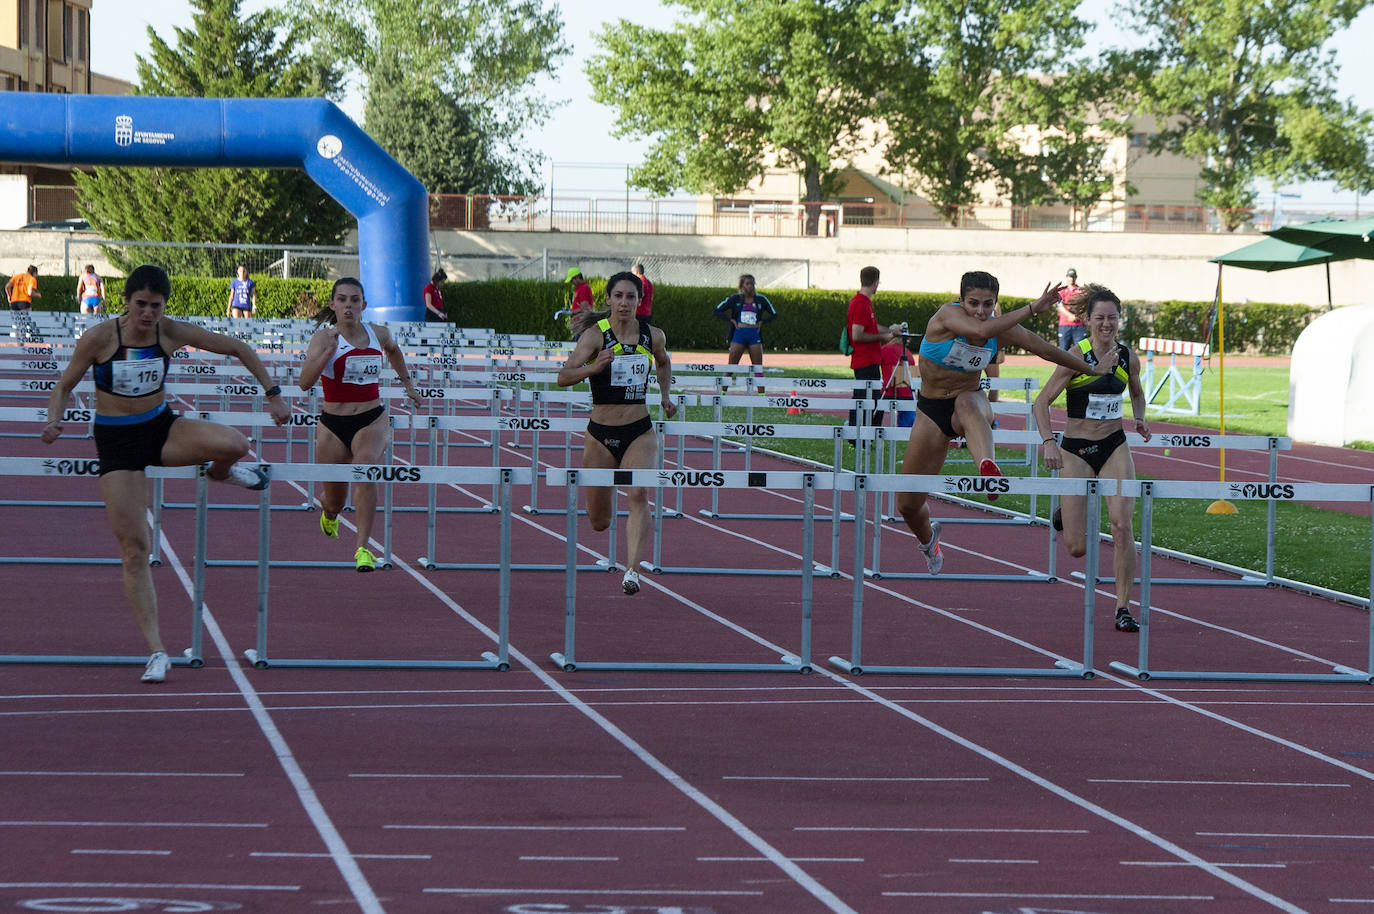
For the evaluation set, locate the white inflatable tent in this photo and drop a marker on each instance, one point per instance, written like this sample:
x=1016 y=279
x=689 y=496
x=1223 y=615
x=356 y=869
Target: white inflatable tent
x=1331 y=379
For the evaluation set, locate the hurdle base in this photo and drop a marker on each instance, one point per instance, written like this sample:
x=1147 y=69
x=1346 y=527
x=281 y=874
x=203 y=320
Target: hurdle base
x=1063 y=669
x=97 y=660
x=1032 y=576
x=788 y=663
x=742 y=572
x=430 y=565
x=489 y=661
x=1338 y=674
x=1244 y=581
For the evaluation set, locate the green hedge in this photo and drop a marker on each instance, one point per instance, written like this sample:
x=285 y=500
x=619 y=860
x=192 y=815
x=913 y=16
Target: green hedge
x=809 y=320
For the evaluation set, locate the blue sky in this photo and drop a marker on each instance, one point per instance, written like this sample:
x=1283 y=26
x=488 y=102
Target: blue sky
x=576 y=137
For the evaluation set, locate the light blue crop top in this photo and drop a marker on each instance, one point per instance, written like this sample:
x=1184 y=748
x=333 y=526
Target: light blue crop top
x=939 y=353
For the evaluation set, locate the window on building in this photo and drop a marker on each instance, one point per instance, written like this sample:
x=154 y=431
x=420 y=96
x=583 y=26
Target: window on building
x=66 y=31
x=23 y=23
x=83 y=37
x=10 y=83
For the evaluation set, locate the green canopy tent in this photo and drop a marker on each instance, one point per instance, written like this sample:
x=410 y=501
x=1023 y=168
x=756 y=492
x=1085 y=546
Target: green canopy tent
x=1345 y=239
x=1273 y=254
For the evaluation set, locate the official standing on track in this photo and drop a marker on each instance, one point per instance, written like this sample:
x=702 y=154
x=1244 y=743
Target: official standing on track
x=960 y=341
x=346 y=358
x=1094 y=444
x=614 y=353
x=135 y=429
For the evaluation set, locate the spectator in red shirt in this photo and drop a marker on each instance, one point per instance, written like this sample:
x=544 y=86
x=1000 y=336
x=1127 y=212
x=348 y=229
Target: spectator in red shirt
x=1071 y=329
x=434 y=297
x=866 y=337
x=646 y=304
x=582 y=291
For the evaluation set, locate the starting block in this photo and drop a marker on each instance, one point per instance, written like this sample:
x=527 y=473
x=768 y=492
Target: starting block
x=1183 y=395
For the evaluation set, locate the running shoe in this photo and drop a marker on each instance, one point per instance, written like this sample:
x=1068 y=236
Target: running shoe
x=1125 y=622
x=364 y=559
x=989 y=467
x=1057 y=519
x=935 y=556
x=329 y=526
x=156 y=670
x=245 y=477
x=630 y=583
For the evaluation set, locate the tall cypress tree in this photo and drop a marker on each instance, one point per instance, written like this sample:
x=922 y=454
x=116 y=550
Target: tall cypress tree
x=223 y=55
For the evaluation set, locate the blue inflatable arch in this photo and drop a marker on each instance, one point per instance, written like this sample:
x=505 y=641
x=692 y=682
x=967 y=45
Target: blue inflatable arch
x=392 y=208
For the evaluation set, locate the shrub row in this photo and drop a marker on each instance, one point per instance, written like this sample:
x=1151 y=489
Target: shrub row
x=809 y=320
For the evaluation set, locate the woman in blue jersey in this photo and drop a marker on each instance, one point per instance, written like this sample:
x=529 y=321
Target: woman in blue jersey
x=960 y=341
x=135 y=429
x=614 y=353
x=1094 y=445
x=747 y=311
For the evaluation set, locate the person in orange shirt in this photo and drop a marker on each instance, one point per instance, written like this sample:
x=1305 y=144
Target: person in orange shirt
x=22 y=289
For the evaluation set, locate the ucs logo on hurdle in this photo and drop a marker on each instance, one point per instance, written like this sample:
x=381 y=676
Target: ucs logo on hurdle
x=37 y=385
x=809 y=382
x=236 y=389
x=1262 y=490
x=72 y=414
x=65 y=467
x=692 y=478
x=752 y=430
x=516 y=424
x=978 y=485
x=386 y=474
x=1184 y=440
x=789 y=402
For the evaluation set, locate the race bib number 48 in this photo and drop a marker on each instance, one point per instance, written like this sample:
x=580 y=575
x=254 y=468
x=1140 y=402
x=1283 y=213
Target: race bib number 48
x=963 y=357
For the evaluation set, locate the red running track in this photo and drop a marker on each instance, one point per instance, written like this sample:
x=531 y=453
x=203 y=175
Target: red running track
x=233 y=788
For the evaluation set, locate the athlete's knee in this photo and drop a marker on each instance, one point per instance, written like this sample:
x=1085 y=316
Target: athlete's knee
x=134 y=548
x=1077 y=548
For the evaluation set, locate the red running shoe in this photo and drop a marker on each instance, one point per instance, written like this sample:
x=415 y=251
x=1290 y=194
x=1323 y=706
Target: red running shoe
x=989 y=468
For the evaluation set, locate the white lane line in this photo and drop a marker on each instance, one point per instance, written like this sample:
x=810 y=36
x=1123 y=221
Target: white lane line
x=55 y=823
x=1063 y=896
x=314 y=809
x=1272 y=834
x=695 y=893
x=803 y=879
x=150 y=885
x=982 y=860
x=292 y=854
x=743 y=777
x=498 y=777
x=1213 y=783
x=958 y=831
x=1266 y=866
x=123 y=774
x=575 y=859
x=795 y=859
x=1351 y=900
x=635 y=828
x=95 y=850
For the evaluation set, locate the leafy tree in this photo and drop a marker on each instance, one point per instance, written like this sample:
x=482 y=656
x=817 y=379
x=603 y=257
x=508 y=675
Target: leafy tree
x=223 y=55
x=449 y=83
x=957 y=86
x=1245 y=88
x=741 y=86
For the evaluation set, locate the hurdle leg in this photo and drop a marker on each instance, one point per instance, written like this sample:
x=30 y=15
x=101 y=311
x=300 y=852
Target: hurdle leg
x=195 y=652
x=565 y=659
x=257 y=656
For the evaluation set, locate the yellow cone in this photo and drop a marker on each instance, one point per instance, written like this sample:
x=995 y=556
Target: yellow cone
x=1222 y=506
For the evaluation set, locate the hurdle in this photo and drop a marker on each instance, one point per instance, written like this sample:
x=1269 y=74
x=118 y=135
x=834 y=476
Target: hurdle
x=192 y=656
x=1063 y=667
x=1188 y=390
x=1148 y=491
x=501 y=477
x=800 y=662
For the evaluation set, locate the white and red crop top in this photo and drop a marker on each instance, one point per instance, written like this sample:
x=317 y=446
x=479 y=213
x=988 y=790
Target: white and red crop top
x=353 y=373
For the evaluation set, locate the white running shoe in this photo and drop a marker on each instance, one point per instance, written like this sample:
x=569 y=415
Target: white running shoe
x=156 y=670
x=630 y=583
x=935 y=556
x=245 y=477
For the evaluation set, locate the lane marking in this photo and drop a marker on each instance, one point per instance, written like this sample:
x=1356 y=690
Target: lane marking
x=1266 y=834
x=538 y=827
x=150 y=885
x=1270 y=866
x=1049 y=895
x=56 y=823
x=124 y=774
x=977 y=860
x=744 y=777
x=796 y=859
x=498 y=777
x=357 y=856
x=575 y=859
x=1214 y=783
x=314 y=809
x=670 y=892
x=973 y=831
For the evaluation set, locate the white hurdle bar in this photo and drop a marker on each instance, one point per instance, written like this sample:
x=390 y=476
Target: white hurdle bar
x=192 y=656
x=955 y=485
x=502 y=477
x=1148 y=491
x=808 y=483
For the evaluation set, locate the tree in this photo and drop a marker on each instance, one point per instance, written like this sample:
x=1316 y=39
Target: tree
x=223 y=56
x=954 y=87
x=740 y=82
x=449 y=83
x=1246 y=89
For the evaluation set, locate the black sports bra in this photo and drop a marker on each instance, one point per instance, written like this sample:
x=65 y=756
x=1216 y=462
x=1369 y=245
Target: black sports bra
x=133 y=371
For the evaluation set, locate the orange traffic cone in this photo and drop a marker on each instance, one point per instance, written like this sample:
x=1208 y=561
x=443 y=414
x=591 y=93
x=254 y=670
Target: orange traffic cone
x=794 y=410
